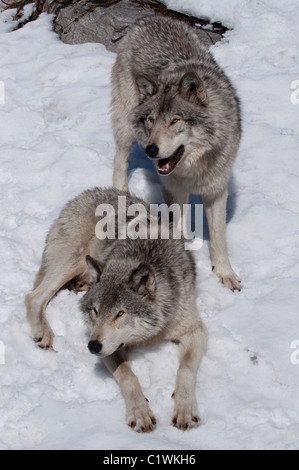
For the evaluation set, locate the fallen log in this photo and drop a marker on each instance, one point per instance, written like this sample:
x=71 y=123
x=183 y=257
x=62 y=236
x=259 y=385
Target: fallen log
x=105 y=21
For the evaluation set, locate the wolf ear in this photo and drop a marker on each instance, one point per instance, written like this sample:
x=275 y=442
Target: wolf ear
x=95 y=269
x=147 y=87
x=192 y=89
x=142 y=280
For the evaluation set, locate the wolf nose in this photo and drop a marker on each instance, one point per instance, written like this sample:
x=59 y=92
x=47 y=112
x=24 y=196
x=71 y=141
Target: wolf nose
x=152 y=150
x=95 y=347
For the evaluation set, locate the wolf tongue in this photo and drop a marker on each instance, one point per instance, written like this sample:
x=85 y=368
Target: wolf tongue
x=163 y=163
x=166 y=161
x=167 y=165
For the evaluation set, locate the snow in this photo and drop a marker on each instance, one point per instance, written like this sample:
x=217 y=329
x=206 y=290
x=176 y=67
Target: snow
x=56 y=140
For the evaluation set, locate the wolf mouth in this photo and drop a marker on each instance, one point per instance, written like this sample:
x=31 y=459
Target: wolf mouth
x=166 y=165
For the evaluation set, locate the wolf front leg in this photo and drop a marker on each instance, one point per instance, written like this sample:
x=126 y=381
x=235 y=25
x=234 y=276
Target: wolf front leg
x=175 y=197
x=192 y=347
x=124 y=141
x=56 y=270
x=36 y=304
x=139 y=415
x=120 y=169
x=215 y=209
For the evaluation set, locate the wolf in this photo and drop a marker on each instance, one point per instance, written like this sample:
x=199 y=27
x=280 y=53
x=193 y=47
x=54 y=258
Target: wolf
x=169 y=94
x=137 y=292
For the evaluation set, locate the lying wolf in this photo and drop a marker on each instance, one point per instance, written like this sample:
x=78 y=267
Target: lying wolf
x=169 y=94
x=138 y=292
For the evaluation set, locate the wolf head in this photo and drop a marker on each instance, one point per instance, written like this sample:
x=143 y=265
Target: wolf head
x=172 y=118
x=120 y=306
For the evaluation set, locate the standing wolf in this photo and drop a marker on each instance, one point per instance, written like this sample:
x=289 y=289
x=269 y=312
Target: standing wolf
x=139 y=291
x=169 y=94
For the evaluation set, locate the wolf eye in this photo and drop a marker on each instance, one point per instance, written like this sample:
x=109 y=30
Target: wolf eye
x=120 y=314
x=151 y=120
x=94 y=310
x=174 y=121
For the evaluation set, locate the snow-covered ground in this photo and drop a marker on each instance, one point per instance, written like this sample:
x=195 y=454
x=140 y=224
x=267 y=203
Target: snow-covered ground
x=55 y=141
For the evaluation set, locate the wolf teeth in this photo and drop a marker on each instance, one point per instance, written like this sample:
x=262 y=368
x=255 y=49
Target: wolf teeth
x=165 y=165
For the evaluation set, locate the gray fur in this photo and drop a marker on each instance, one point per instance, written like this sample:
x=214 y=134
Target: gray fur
x=138 y=292
x=169 y=94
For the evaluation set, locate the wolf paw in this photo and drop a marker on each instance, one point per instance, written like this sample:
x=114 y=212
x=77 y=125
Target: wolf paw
x=231 y=281
x=141 y=419
x=44 y=339
x=80 y=286
x=228 y=278
x=185 y=416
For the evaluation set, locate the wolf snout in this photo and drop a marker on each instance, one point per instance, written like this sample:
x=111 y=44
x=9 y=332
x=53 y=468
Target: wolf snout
x=152 y=150
x=95 y=347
